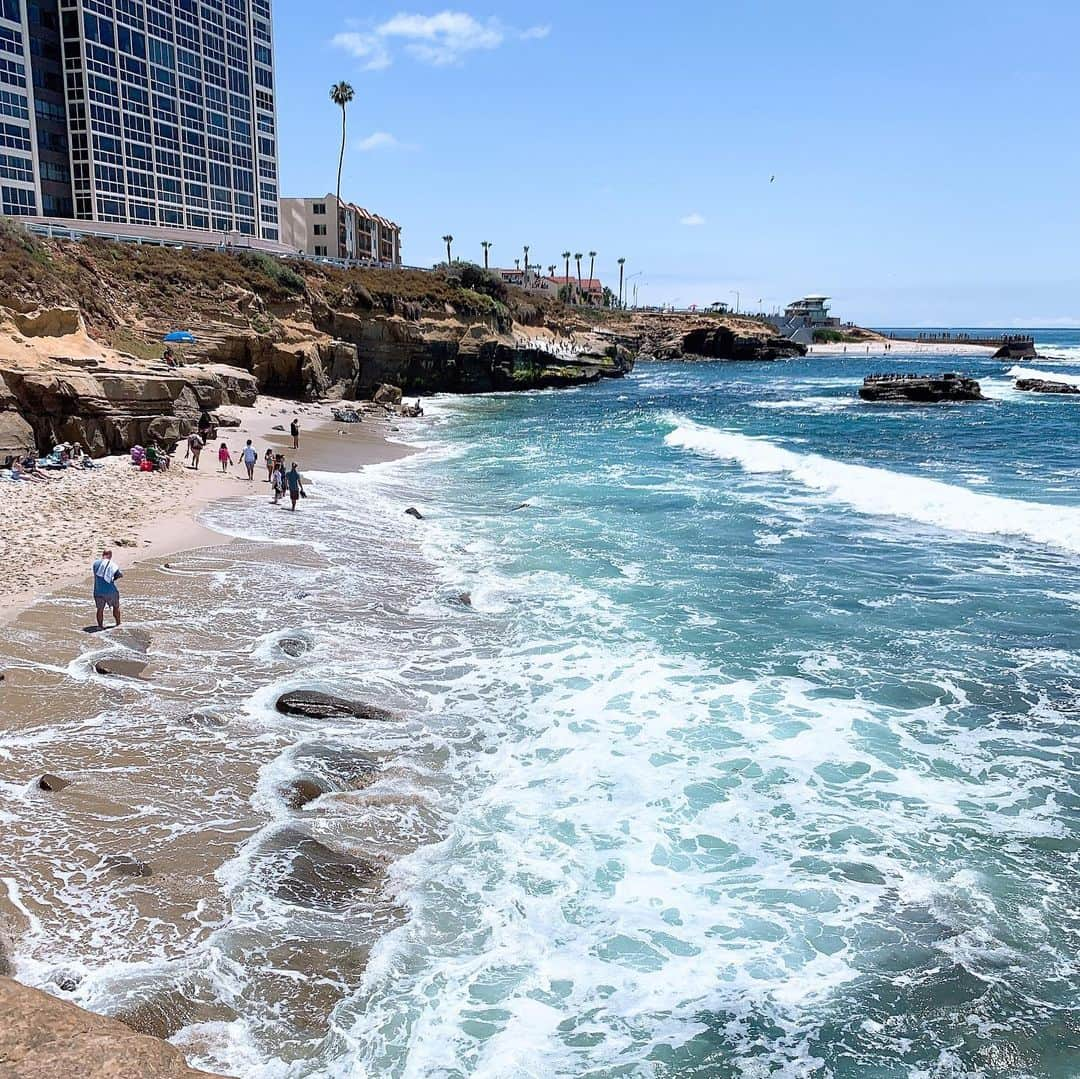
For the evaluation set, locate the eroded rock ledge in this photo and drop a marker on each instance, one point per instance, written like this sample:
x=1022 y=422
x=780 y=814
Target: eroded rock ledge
x=41 y=1035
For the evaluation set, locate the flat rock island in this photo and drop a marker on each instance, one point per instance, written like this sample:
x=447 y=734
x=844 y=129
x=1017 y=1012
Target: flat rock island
x=922 y=389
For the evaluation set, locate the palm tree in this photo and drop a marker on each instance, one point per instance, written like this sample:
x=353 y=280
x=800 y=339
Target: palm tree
x=448 y=240
x=577 y=258
x=525 y=248
x=551 y=270
x=622 y=264
x=341 y=93
x=566 y=256
x=592 y=267
x=487 y=245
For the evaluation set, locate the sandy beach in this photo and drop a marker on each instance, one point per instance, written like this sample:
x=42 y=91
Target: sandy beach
x=899 y=349
x=65 y=521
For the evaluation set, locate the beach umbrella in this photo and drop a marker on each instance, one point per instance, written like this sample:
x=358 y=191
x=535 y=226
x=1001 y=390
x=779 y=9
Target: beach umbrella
x=180 y=337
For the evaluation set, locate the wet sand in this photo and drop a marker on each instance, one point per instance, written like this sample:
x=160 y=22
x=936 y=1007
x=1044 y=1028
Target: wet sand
x=165 y=763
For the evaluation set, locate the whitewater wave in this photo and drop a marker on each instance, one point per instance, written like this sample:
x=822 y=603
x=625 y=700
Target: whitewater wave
x=881 y=492
x=1050 y=376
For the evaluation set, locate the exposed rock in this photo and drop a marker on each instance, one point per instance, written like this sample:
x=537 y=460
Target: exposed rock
x=341 y=766
x=315 y=705
x=299 y=792
x=124 y=865
x=16 y=436
x=43 y=1036
x=123 y=666
x=67 y=981
x=1017 y=348
x=667 y=338
x=412 y=511
x=387 y=395
x=922 y=389
x=49 y=782
x=1044 y=385
x=464 y=598
x=294 y=646
x=49 y=322
x=161 y=1016
x=315 y=875
x=204 y=719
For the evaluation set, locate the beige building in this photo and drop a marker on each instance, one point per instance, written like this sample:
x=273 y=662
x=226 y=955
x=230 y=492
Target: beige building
x=308 y=225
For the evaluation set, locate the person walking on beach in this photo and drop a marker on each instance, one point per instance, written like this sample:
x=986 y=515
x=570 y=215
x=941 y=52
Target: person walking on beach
x=250 y=457
x=224 y=457
x=278 y=479
x=106 y=594
x=194 y=448
x=296 y=486
x=294 y=430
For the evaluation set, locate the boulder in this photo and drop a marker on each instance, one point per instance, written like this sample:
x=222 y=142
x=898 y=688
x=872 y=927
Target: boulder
x=387 y=395
x=49 y=782
x=124 y=666
x=315 y=875
x=49 y=322
x=299 y=792
x=1044 y=385
x=920 y=389
x=412 y=511
x=42 y=1035
x=315 y=705
x=204 y=720
x=16 y=436
x=294 y=646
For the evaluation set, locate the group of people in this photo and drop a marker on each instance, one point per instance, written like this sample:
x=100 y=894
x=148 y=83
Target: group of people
x=65 y=455
x=150 y=458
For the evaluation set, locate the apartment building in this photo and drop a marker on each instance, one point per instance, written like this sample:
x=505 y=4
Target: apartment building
x=146 y=112
x=308 y=225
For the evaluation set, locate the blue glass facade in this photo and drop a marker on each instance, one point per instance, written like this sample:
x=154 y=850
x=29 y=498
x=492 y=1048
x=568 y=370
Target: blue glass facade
x=19 y=190
x=170 y=112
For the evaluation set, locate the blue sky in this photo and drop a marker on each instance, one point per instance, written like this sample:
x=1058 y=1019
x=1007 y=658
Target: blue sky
x=925 y=160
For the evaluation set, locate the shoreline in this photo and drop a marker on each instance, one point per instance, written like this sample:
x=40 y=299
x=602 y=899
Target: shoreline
x=44 y=645
x=163 y=508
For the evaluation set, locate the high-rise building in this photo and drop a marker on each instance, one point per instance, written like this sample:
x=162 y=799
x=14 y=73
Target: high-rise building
x=148 y=112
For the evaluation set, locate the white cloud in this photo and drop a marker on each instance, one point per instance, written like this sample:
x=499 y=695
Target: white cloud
x=381 y=140
x=440 y=40
x=693 y=220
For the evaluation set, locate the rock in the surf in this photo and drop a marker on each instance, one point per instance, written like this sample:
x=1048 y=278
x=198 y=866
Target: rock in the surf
x=300 y=792
x=49 y=782
x=412 y=511
x=921 y=389
x=343 y=767
x=1045 y=385
x=124 y=865
x=315 y=875
x=315 y=705
x=161 y=1016
x=123 y=666
x=294 y=646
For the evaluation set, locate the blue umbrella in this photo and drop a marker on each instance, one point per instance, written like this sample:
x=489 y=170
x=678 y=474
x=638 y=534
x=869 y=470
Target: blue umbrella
x=180 y=337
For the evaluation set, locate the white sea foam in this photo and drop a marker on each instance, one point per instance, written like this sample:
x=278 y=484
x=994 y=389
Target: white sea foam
x=1050 y=376
x=879 y=491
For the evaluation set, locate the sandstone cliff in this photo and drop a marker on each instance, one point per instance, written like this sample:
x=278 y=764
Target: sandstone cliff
x=81 y=328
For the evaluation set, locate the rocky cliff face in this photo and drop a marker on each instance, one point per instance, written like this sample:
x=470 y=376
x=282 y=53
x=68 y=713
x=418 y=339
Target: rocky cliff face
x=661 y=336
x=81 y=327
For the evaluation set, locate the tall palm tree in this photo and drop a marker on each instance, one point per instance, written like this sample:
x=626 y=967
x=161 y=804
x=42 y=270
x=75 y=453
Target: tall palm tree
x=622 y=264
x=551 y=270
x=577 y=258
x=566 y=256
x=341 y=93
x=525 y=248
x=592 y=267
x=448 y=240
x=487 y=246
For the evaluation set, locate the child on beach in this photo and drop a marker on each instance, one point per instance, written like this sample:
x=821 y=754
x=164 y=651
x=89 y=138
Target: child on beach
x=224 y=457
x=278 y=479
x=269 y=459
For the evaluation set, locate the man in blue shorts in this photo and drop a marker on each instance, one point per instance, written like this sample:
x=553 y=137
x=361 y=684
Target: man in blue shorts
x=106 y=574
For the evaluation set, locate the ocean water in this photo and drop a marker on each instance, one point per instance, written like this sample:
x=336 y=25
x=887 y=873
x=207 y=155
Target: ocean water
x=739 y=737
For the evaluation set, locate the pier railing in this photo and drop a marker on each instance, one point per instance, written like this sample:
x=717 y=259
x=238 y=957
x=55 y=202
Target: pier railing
x=947 y=338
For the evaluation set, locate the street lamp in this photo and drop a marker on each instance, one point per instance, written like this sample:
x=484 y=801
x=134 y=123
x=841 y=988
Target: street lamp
x=738 y=299
x=631 y=278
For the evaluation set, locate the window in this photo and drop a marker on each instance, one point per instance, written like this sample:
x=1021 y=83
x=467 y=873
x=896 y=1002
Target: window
x=319 y=209
x=319 y=250
x=320 y=230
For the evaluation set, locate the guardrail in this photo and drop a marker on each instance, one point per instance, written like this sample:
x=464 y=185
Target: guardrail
x=996 y=341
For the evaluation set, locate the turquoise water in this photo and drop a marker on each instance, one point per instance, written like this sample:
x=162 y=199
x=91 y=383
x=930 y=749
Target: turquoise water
x=764 y=755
